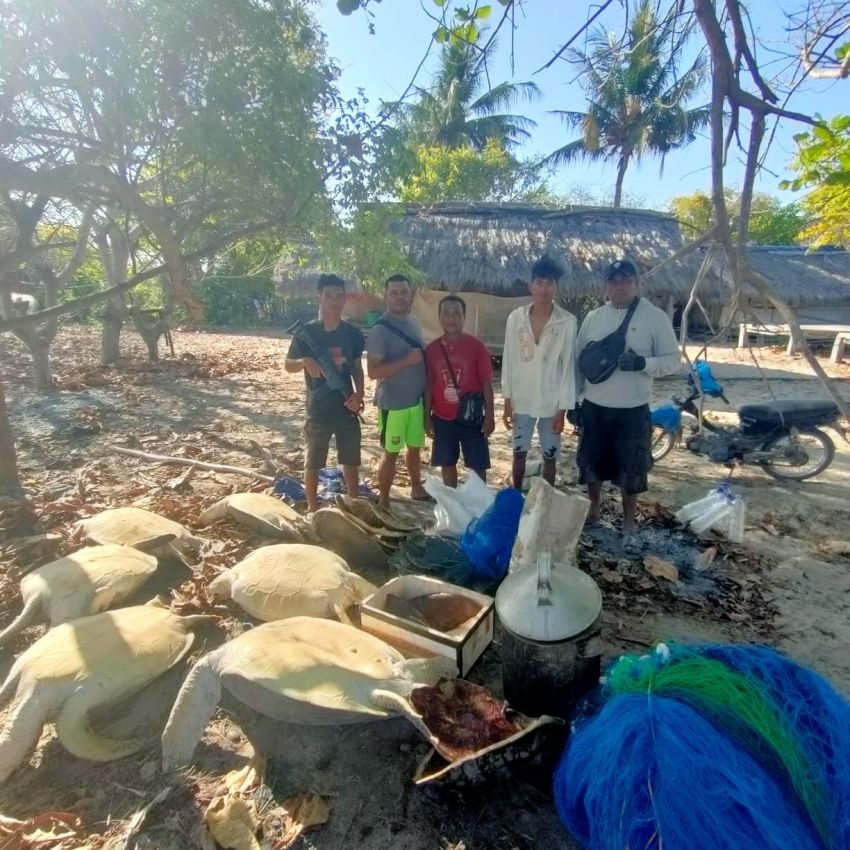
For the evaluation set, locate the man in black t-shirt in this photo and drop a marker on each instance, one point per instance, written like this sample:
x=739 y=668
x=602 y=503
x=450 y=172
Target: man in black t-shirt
x=328 y=413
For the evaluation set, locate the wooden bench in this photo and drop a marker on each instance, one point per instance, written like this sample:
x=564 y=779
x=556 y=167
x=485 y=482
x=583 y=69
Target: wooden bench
x=840 y=333
x=841 y=341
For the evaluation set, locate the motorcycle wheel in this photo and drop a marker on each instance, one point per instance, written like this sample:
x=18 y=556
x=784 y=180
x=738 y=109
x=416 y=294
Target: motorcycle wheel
x=662 y=442
x=801 y=456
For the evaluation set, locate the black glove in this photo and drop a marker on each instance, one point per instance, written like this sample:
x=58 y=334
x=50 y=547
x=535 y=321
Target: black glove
x=574 y=417
x=631 y=362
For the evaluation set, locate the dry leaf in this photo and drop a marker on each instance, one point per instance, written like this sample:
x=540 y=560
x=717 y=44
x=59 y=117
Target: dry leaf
x=660 y=568
x=294 y=816
x=248 y=778
x=612 y=577
x=233 y=822
x=704 y=559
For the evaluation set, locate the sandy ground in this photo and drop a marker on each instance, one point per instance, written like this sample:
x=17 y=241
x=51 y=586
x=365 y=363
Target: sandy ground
x=224 y=396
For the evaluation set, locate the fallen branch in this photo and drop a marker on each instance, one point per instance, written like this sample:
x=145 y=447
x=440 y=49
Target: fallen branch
x=185 y=461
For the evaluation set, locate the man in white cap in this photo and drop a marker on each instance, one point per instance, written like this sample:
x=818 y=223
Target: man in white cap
x=614 y=418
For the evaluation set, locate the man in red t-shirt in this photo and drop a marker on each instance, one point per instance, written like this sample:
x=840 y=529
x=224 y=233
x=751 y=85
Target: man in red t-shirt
x=458 y=365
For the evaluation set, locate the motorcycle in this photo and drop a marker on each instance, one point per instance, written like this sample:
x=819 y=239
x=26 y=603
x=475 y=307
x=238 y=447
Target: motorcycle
x=784 y=438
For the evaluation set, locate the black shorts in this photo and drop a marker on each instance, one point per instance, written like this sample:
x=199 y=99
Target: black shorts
x=318 y=432
x=614 y=445
x=451 y=437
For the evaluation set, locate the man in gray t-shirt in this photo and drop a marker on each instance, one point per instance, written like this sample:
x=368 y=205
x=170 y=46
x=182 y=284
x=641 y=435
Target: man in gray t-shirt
x=395 y=359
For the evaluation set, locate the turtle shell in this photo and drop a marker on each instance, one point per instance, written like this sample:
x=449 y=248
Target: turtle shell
x=135 y=527
x=324 y=665
x=123 y=649
x=258 y=512
x=336 y=531
x=293 y=579
x=88 y=581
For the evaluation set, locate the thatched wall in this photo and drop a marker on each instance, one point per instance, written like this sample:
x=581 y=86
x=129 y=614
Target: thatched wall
x=491 y=247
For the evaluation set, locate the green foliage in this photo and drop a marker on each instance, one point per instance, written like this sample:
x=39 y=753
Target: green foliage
x=461 y=108
x=638 y=96
x=463 y=174
x=366 y=249
x=246 y=301
x=771 y=221
x=823 y=165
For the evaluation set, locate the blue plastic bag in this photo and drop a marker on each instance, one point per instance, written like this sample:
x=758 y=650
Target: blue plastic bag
x=489 y=540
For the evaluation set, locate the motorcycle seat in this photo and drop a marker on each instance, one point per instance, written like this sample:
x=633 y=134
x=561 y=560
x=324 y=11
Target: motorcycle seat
x=788 y=412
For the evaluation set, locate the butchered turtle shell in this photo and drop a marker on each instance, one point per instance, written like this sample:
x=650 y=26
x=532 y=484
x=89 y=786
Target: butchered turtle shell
x=294 y=579
x=324 y=663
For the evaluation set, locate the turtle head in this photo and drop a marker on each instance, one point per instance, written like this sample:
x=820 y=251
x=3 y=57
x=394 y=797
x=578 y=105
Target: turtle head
x=220 y=586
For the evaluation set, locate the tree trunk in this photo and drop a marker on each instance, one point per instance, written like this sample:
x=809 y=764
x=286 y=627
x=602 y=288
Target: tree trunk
x=622 y=165
x=10 y=482
x=113 y=319
x=40 y=353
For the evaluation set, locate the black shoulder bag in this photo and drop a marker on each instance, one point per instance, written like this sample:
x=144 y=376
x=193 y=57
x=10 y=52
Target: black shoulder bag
x=598 y=360
x=470 y=406
x=400 y=334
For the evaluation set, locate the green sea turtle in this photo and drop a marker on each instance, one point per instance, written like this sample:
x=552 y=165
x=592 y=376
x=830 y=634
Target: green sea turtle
x=339 y=532
x=261 y=513
x=88 y=581
x=84 y=664
x=141 y=529
x=291 y=579
x=301 y=670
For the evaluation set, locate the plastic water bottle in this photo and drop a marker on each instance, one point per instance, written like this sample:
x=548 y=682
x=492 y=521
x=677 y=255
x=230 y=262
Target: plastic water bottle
x=694 y=509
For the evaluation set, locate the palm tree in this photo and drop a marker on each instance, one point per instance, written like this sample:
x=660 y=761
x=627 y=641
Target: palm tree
x=637 y=98
x=461 y=108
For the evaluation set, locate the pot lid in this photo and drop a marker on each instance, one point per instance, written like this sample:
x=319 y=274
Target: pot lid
x=551 y=603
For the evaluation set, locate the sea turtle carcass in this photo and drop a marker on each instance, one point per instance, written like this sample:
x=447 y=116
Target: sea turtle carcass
x=261 y=513
x=85 y=582
x=142 y=529
x=300 y=670
x=292 y=579
x=81 y=665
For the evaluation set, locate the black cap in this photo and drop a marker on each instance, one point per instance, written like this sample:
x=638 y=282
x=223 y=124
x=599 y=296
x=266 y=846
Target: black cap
x=622 y=268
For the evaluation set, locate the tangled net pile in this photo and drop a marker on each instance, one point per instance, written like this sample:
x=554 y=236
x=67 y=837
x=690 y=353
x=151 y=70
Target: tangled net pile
x=710 y=746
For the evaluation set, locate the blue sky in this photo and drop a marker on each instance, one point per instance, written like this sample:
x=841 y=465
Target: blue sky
x=382 y=64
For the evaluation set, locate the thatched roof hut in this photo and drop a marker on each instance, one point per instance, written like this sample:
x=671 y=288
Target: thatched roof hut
x=478 y=247
x=296 y=275
x=816 y=284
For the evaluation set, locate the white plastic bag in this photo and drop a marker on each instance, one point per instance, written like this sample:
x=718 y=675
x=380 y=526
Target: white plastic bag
x=456 y=508
x=720 y=510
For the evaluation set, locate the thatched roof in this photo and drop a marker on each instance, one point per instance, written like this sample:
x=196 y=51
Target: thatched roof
x=491 y=247
x=297 y=275
x=819 y=277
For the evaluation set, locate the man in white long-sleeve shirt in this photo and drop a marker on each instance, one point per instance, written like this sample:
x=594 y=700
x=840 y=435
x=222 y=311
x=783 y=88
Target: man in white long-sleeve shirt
x=614 y=416
x=538 y=371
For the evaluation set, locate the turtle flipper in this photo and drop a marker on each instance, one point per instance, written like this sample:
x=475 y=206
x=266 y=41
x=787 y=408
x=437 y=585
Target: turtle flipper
x=342 y=614
x=195 y=703
x=78 y=737
x=31 y=609
x=24 y=723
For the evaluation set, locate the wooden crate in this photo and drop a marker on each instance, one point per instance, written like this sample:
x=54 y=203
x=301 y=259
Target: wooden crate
x=464 y=645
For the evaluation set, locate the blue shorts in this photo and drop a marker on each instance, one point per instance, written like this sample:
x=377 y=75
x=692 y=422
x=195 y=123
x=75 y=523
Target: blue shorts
x=524 y=429
x=451 y=437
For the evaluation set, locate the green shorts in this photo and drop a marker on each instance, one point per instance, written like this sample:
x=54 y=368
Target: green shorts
x=400 y=428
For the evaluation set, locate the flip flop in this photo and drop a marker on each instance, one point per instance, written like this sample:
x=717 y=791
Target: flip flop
x=426 y=498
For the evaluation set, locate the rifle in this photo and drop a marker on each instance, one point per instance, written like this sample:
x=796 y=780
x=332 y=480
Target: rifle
x=333 y=380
